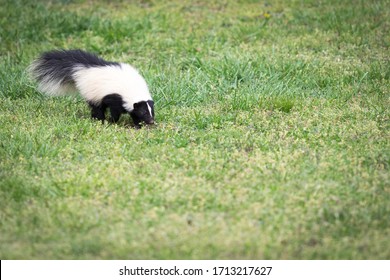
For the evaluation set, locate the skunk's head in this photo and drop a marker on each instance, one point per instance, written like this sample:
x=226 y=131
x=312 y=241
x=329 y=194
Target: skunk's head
x=143 y=112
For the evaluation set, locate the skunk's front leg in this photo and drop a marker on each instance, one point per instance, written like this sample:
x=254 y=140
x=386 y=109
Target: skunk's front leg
x=98 y=112
x=115 y=113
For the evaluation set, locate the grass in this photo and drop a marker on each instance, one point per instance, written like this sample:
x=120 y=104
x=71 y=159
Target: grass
x=272 y=138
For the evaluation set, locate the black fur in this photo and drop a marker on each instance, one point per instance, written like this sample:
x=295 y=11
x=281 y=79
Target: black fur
x=141 y=112
x=115 y=103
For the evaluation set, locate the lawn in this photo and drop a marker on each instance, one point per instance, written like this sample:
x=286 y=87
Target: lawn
x=272 y=138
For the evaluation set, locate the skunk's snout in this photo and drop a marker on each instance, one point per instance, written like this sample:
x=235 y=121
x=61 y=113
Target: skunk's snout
x=150 y=122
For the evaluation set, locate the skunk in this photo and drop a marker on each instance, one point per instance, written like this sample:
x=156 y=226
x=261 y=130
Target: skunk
x=103 y=84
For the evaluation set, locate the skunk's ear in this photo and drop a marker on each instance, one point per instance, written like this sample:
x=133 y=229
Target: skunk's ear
x=135 y=105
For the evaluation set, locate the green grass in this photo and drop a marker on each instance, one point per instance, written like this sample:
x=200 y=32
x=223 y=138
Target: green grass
x=272 y=138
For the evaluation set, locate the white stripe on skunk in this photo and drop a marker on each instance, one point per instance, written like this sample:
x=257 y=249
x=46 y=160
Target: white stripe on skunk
x=103 y=84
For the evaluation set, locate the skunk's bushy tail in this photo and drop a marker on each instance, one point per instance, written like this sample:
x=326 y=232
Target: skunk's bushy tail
x=54 y=70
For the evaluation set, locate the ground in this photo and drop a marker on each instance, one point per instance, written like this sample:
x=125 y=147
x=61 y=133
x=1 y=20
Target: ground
x=272 y=135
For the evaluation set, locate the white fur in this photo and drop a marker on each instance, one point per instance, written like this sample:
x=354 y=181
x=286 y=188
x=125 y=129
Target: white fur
x=96 y=82
x=54 y=88
x=150 y=110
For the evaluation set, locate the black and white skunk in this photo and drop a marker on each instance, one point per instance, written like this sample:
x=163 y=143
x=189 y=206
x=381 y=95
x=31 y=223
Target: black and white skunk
x=103 y=84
